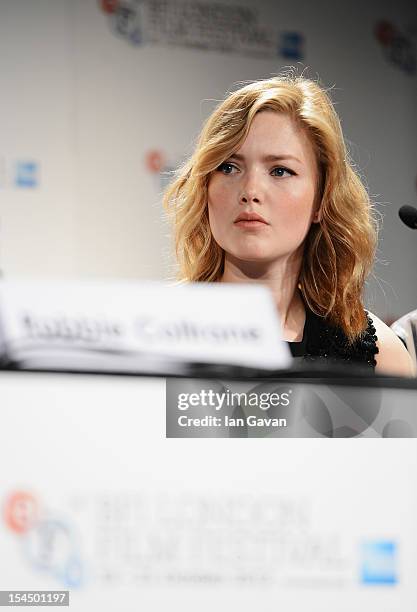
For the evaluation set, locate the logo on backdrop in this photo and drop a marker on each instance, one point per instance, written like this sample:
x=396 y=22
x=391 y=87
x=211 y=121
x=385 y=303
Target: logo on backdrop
x=160 y=168
x=201 y=25
x=292 y=45
x=26 y=174
x=398 y=47
x=19 y=173
x=48 y=544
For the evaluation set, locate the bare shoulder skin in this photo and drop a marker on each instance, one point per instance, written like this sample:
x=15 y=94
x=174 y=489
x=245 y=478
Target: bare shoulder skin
x=392 y=358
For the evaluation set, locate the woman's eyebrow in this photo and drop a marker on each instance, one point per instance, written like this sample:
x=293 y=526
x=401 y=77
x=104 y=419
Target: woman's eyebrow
x=267 y=158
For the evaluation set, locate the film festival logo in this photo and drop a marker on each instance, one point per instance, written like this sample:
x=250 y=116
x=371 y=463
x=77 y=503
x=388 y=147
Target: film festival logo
x=201 y=25
x=159 y=167
x=49 y=544
x=398 y=47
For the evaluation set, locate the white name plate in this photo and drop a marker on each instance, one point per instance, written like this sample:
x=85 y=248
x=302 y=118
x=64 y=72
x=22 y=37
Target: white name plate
x=141 y=327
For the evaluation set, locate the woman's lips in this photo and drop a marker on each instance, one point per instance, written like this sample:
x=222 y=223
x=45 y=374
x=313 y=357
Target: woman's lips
x=250 y=224
x=250 y=220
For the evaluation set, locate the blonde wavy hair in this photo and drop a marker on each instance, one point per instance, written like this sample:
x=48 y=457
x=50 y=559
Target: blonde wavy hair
x=338 y=251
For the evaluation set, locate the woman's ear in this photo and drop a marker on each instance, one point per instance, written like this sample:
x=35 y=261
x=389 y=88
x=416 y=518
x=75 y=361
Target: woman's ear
x=317 y=216
x=318 y=206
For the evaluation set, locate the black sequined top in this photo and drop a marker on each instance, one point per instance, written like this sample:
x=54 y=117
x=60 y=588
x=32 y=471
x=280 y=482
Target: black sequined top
x=324 y=341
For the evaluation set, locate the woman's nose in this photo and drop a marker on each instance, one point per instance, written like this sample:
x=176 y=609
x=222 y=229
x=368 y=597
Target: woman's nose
x=251 y=190
x=246 y=198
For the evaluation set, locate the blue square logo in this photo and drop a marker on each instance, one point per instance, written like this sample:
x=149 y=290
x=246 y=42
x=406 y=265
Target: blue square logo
x=379 y=562
x=27 y=174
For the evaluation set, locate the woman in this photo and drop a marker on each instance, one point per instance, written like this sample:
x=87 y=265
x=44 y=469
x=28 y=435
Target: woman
x=270 y=196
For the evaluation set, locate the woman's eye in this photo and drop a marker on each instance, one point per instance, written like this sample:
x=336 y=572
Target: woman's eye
x=280 y=171
x=226 y=168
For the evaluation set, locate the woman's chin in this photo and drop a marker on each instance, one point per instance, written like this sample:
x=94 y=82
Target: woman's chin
x=253 y=256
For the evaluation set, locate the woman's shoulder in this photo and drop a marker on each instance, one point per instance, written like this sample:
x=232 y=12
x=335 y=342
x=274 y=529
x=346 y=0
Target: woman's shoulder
x=324 y=339
x=392 y=356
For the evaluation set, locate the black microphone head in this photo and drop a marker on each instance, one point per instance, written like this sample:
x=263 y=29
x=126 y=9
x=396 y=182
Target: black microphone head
x=408 y=215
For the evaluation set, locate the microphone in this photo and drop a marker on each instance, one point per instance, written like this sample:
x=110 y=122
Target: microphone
x=408 y=215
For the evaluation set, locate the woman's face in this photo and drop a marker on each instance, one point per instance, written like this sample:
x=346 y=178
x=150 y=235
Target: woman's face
x=261 y=200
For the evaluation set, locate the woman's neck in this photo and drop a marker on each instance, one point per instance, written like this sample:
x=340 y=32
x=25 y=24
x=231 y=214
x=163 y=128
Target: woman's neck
x=281 y=278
